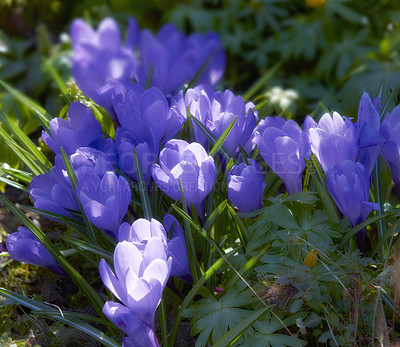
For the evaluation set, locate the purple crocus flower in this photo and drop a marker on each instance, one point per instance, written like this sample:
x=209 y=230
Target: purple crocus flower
x=217 y=110
x=104 y=200
x=189 y=163
x=284 y=146
x=138 y=282
x=53 y=192
x=142 y=230
x=348 y=183
x=370 y=142
x=24 y=246
x=142 y=334
x=139 y=110
x=246 y=186
x=333 y=139
x=147 y=153
x=175 y=59
x=79 y=130
x=88 y=160
x=100 y=61
x=390 y=131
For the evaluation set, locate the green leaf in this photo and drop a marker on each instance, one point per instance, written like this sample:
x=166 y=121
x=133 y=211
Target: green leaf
x=214 y=140
x=359 y=227
x=217 y=146
x=142 y=188
x=87 y=246
x=89 y=292
x=212 y=317
x=67 y=317
x=193 y=292
x=234 y=333
x=24 y=140
x=57 y=78
x=37 y=110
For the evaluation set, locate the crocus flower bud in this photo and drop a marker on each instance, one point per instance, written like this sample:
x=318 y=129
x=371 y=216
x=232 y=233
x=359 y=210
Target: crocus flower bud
x=333 y=139
x=104 y=200
x=217 y=110
x=138 y=282
x=53 y=192
x=370 y=142
x=100 y=61
x=348 y=183
x=190 y=164
x=284 y=146
x=24 y=246
x=81 y=129
x=246 y=186
x=390 y=130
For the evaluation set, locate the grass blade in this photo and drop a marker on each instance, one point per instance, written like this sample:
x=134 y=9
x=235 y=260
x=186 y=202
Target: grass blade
x=214 y=140
x=40 y=308
x=142 y=188
x=57 y=78
x=39 y=112
x=90 y=293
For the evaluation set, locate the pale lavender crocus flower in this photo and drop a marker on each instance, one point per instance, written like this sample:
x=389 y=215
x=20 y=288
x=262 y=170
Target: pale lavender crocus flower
x=190 y=164
x=284 y=147
x=333 y=139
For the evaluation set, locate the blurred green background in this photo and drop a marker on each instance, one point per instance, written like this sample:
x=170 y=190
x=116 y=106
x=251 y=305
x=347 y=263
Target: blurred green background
x=310 y=54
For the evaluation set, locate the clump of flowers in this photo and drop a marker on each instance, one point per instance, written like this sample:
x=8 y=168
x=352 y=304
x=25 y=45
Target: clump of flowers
x=160 y=160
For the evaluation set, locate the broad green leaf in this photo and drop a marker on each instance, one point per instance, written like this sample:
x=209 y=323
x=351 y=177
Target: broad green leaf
x=193 y=292
x=213 y=317
x=234 y=333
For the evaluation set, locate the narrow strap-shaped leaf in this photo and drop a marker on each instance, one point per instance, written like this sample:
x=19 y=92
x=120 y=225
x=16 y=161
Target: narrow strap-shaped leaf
x=262 y=81
x=216 y=141
x=246 y=267
x=24 y=140
x=142 y=188
x=88 y=247
x=37 y=110
x=381 y=226
x=272 y=183
x=189 y=240
x=193 y=292
x=20 y=175
x=14 y=184
x=57 y=78
x=74 y=181
x=359 y=227
x=89 y=292
x=39 y=308
x=240 y=328
x=222 y=138
x=241 y=229
x=34 y=165
x=316 y=173
x=211 y=219
x=383 y=239
x=203 y=68
x=149 y=77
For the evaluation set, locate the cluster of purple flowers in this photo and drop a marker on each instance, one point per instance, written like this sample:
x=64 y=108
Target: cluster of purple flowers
x=140 y=83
